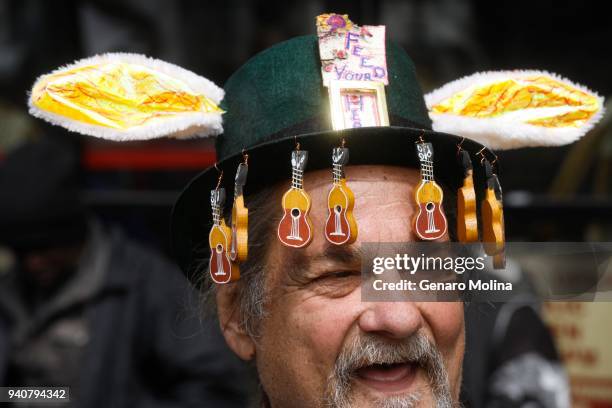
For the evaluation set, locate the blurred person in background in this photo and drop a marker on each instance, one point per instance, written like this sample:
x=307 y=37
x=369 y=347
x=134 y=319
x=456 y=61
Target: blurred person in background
x=86 y=308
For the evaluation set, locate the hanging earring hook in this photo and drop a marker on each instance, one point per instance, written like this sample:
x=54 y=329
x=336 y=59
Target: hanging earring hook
x=421 y=140
x=460 y=143
x=459 y=148
x=220 y=176
x=245 y=157
x=343 y=142
x=481 y=154
x=493 y=163
x=297 y=144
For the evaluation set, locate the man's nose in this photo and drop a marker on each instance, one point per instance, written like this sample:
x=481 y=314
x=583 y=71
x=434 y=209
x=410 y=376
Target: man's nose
x=395 y=320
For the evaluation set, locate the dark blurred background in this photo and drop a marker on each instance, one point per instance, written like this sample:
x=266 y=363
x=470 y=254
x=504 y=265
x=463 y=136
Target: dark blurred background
x=550 y=194
x=560 y=193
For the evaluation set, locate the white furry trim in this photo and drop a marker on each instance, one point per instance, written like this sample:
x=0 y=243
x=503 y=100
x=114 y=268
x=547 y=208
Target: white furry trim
x=179 y=125
x=184 y=126
x=508 y=131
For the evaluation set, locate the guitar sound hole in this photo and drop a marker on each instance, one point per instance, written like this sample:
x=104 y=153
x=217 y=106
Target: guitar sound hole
x=295 y=212
x=338 y=209
x=429 y=206
x=219 y=248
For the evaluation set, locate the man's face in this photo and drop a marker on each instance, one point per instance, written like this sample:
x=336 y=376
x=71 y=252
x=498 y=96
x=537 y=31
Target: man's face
x=320 y=344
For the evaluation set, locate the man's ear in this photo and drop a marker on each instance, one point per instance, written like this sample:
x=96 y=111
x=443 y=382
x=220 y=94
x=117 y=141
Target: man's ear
x=228 y=310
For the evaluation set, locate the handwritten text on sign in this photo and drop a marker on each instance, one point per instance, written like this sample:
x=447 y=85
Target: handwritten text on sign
x=349 y=52
x=359 y=109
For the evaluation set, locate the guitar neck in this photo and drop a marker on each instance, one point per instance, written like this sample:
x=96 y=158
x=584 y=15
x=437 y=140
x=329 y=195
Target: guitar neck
x=216 y=211
x=427 y=170
x=338 y=172
x=297 y=178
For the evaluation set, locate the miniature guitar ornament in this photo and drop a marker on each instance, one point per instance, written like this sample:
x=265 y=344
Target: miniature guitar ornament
x=240 y=217
x=430 y=222
x=295 y=228
x=341 y=227
x=219 y=239
x=493 y=230
x=467 y=221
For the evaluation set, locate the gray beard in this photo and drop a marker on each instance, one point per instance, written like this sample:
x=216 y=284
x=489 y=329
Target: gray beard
x=368 y=349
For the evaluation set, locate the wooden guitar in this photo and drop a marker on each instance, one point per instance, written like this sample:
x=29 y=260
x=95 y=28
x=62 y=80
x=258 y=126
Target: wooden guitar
x=493 y=229
x=295 y=228
x=240 y=218
x=430 y=222
x=219 y=239
x=340 y=227
x=467 y=221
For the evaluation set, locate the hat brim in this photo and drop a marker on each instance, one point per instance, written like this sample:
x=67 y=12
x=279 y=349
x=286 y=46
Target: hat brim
x=269 y=163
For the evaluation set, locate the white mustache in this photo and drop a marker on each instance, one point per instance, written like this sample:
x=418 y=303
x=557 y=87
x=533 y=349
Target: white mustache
x=370 y=350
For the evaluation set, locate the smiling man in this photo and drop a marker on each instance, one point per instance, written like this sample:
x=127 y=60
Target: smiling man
x=285 y=280
x=297 y=313
x=295 y=309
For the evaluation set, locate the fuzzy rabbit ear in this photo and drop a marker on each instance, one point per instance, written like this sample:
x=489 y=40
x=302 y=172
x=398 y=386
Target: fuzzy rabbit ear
x=128 y=97
x=512 y=109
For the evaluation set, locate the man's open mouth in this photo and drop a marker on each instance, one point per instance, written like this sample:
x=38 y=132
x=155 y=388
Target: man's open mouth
x=394 y=377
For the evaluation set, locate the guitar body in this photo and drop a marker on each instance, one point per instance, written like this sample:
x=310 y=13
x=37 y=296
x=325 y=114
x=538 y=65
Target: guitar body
x=492 y=224
x=295 y=228
x=220 y=266
x=341 y=227
x=467 y=221
x=240 y=231
x=430 y=221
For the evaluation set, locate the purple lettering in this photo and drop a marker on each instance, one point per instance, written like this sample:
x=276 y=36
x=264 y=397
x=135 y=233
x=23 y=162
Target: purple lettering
x=350 y=37
x=364 y=61
x=379 y=72
x=339 y=73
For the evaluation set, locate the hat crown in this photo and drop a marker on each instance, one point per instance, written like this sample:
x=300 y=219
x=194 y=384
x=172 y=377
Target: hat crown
x=280 y=92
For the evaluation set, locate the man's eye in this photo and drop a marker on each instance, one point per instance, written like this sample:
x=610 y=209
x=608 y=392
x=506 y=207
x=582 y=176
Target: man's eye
x=338 y=275
x=336 y=284
x=343 y=274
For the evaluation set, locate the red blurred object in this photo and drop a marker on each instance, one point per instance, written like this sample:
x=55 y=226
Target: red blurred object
x=149 y=155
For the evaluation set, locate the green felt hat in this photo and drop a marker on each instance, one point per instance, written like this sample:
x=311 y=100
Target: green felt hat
x=278 y=97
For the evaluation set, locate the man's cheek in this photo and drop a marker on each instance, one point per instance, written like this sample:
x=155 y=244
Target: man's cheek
x=445 y=320
x=322 y=325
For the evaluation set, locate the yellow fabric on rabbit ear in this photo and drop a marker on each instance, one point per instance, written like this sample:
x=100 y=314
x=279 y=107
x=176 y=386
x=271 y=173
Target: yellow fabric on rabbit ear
x=512 y=109
x=128 y=97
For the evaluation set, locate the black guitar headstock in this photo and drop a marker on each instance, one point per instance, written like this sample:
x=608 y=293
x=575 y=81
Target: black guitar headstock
x=425 y=152
x=241 y=177
x=299 y=158
x=465 y=161
x=217 y=197
x=340 y=156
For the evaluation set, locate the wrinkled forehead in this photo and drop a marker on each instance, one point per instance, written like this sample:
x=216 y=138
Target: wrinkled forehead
x=362 y=176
